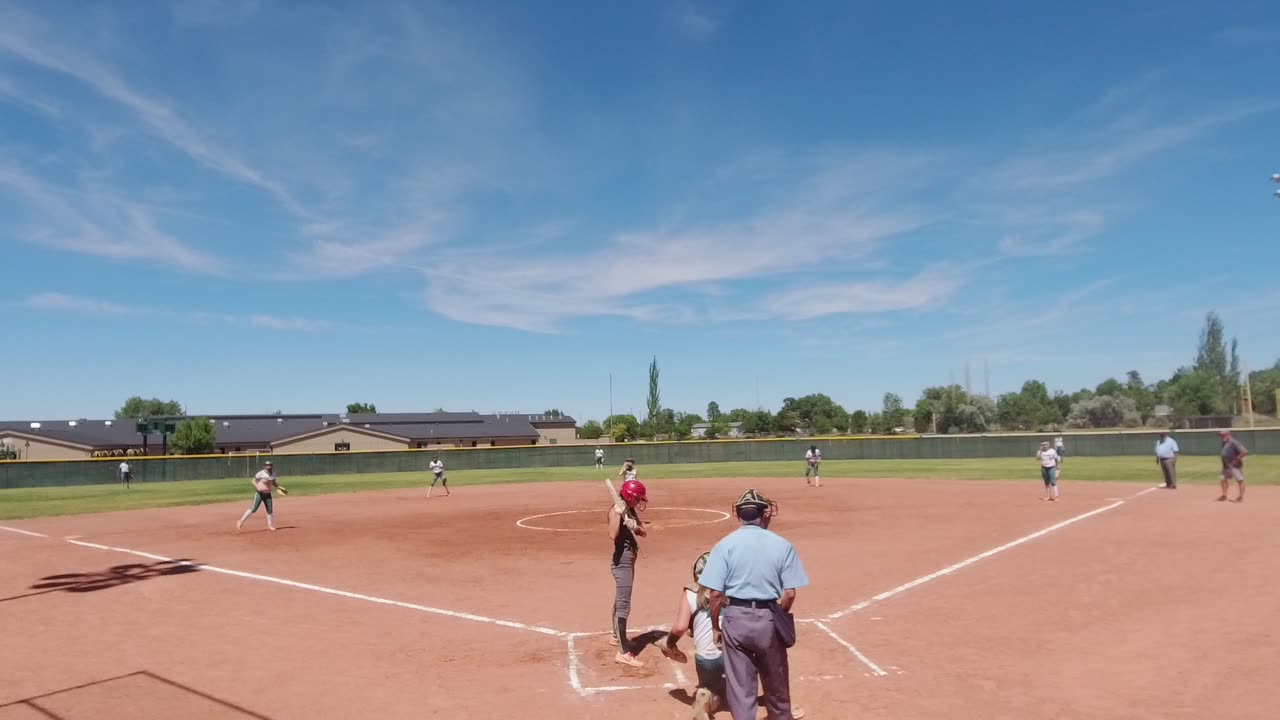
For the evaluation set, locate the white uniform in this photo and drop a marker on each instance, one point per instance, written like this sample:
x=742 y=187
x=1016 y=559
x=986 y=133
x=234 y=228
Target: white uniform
x=437 y=467
x=264 y=481
x=704 y=643
x=629 y=474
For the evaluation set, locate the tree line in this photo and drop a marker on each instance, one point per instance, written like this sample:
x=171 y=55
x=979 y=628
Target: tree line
x=1209 y=386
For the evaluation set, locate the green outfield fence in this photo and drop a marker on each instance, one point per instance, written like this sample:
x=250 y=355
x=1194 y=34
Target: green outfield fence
x=19 y=474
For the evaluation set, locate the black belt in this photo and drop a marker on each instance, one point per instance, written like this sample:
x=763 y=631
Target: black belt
x=759 y=604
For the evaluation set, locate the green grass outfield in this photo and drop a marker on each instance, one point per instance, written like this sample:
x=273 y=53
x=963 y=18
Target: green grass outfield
x=41 y=502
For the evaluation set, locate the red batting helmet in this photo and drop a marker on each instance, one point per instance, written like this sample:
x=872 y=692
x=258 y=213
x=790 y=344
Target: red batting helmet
x=633 y=492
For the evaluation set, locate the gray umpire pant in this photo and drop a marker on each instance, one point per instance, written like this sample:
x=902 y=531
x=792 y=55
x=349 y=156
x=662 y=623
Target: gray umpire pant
x=1169 y=466
x=752 y=651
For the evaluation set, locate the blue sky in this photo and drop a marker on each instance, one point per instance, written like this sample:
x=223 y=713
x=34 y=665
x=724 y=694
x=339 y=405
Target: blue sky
x=251 y=205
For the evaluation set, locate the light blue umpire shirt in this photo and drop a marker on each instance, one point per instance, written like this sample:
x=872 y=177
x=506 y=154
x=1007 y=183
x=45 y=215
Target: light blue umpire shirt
x=1167 y=448
x=752 y=563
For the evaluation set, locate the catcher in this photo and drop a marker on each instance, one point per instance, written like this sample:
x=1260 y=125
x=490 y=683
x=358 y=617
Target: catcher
x=264 y=483
x=624 y=527
x=694 y=612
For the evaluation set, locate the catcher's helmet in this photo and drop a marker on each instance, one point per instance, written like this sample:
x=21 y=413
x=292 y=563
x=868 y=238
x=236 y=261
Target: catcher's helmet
x=699 y=565
x=633 y=492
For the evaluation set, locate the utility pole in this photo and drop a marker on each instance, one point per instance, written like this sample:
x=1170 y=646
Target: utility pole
x=1248 y=392
x=986 y=377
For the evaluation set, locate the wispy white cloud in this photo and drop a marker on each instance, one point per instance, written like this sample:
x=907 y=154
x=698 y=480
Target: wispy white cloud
x=76 y=304
x=11 y=92
x=691 y=21
x=216 y=13
x=24 y=37
x=289 y=324
x=1050 y=233
x=99 y=224
x=81 y=305
x=927 y=289
x=829 y=219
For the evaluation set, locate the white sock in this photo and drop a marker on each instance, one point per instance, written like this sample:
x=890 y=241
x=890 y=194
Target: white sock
x=1055 y=491
x=270 y=520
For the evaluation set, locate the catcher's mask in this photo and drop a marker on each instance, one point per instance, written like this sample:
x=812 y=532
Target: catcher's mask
x=753 y=505
x=699 y=565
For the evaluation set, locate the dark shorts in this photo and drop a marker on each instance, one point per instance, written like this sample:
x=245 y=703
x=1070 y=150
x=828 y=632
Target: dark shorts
x=711 y=674
x=128 y=476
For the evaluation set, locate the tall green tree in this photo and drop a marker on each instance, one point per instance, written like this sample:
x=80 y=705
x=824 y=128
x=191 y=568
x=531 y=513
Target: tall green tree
x=362 y=409
x=859 y=422
x=194 y=436
x=654 y=401
x=713 y=411
x=138 y=407
x=1219 y=360
x=892 y=412
x=591 y=430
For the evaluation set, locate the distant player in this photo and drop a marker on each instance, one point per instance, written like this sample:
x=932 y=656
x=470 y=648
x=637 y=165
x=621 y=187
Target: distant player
x=1049 y=462
x=1233 y=454
x=599 y=459
x=624 y=528
x=126 y=475
x=628 y=471
x=437 y=470
x=263 y=484
x=813 y=459
x=1061 y=449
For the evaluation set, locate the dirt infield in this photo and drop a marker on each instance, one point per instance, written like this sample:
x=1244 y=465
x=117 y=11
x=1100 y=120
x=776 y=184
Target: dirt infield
x=929 y=600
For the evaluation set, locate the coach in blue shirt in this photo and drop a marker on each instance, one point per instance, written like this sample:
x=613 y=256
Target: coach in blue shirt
x=753 y=575
x=1167 y=459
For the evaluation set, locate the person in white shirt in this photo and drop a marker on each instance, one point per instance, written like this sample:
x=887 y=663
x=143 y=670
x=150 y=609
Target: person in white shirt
x=813 y=459
x=126 y=475
x=599 y=458
x=694 y=613
x=1061 y=449
x=1049 y=462
x=263 y=484
x=437 y=469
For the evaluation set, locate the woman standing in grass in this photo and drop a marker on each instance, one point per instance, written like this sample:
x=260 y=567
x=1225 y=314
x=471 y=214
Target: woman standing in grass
x=1049 y=462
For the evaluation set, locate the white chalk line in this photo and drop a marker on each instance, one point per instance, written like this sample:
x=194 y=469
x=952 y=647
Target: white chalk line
x=849 y=646
x=976 y=558
x=523 y=522
x=23 y=532
x=329 y=591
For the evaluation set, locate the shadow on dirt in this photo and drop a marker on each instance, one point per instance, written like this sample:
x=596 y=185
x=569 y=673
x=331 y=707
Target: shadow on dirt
x=109 y=578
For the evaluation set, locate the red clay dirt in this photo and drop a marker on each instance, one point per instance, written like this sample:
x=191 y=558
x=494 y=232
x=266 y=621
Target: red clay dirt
x=1159 y=607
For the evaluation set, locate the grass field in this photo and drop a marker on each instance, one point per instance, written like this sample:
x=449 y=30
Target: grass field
x=41 y=502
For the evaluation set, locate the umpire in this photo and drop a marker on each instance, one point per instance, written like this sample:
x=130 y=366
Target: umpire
x=753 y=574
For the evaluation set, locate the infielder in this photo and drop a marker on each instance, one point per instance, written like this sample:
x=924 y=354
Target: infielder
x=1233 y=454
x=263 y=484
x=623 y=530
x=752 y=575
x=437 y=470
x=813 y=459
x=1049 y=462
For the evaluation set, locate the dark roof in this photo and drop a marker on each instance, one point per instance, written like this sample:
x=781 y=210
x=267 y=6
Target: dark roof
x=263 y=430
x=545 y=419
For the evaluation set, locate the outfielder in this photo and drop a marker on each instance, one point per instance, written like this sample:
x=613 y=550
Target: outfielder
x=813 y=457
x=624 y=527
x=126 y=475
x=599 y=458
x=437 y=469
x=263 y=484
